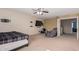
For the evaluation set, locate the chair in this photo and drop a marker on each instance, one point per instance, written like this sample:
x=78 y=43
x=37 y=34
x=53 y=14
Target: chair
x=51 y=33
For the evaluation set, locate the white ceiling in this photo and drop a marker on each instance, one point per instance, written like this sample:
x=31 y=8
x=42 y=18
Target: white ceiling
x=53 y=12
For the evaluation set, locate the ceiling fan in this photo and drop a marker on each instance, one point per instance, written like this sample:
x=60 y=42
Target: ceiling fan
x=40 y=11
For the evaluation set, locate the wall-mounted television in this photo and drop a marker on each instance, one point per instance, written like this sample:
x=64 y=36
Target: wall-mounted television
x=39 y=23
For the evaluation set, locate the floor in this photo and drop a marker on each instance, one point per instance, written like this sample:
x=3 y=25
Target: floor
x=42 y=43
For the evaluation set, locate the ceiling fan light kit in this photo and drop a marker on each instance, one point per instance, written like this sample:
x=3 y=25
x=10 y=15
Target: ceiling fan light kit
x=39 y=13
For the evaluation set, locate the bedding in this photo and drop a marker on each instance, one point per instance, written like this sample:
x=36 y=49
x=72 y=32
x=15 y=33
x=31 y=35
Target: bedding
x=8 y=37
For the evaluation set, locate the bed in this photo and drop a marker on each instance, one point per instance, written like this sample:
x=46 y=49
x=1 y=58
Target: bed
x=12 y=40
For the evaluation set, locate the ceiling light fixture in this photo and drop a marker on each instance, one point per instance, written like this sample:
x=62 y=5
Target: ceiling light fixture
x=39 y=11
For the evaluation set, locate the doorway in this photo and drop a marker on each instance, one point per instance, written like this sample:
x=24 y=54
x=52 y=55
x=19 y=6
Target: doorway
x=67 y=26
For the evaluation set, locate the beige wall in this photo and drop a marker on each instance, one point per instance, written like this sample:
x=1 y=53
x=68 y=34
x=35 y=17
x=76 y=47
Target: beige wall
x=49 y=24
x=19 y=22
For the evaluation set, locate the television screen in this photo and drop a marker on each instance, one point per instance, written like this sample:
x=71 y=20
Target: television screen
x=38 y=23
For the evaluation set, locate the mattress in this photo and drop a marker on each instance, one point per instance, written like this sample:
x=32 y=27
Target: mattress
x=13 y=45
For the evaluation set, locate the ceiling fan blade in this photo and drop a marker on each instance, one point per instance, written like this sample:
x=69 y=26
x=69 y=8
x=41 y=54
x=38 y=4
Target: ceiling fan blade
x=34 y=9
x=39 y=9
x=45 y=11
x=34 y=12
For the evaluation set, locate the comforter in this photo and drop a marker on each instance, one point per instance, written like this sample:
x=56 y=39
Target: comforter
x=7 y=37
